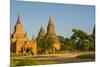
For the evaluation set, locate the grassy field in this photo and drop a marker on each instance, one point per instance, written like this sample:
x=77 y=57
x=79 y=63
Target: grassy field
x=65 y=57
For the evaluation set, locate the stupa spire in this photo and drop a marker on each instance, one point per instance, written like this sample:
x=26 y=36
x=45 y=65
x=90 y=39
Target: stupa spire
x=18 y=20
x=51 y=20
x=41 y=32
x=18 y=26
x=50 y=28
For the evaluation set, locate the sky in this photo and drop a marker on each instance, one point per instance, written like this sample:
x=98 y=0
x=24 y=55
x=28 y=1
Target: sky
x=65 y=17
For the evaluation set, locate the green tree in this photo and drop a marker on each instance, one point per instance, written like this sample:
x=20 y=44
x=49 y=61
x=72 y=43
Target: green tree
x=71 y=45
x=67 y=44
x=45 y=45
x=91 y=39
x=82 y=41
x=62 y=42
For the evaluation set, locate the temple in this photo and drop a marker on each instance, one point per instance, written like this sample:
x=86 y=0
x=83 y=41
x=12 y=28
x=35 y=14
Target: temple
x=52 y=35
x=41 y=33
x=20 y=42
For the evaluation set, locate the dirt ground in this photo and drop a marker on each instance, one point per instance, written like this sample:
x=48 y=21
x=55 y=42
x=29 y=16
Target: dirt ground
x=61 y=58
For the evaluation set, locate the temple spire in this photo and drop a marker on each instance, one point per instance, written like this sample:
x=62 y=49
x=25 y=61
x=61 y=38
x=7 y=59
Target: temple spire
x=18 y=26
x=18 y=20
x=50 y=28
x=50 y=20
x=41 y=32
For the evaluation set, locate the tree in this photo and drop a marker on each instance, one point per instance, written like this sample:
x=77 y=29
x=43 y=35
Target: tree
x=82 y=41
x=67 y=44
x=91 y=39
x=61 y=39
x=45 y=45
x=70 y=44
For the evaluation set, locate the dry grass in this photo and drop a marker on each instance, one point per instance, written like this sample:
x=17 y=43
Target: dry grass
x=65 y=57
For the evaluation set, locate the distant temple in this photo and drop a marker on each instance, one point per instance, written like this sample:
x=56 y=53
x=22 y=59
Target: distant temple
x=41 y=33
x=21 y=44
x=52 y=35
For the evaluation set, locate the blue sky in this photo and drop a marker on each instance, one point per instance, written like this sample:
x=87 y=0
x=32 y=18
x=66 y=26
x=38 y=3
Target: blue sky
x=65 y=17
